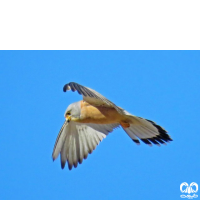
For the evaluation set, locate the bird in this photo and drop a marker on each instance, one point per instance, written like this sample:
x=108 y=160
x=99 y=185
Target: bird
x=89 y=121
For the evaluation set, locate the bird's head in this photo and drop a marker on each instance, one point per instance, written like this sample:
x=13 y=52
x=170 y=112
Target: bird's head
x=73 y=112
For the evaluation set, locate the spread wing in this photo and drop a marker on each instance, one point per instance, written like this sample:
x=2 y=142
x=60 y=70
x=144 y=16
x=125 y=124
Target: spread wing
x=76 y=140
x=91 y=96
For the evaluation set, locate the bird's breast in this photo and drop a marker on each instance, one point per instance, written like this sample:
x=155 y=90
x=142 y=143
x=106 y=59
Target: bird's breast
x=98 y=114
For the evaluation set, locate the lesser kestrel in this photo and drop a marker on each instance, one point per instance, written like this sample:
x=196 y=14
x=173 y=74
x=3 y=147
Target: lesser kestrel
x=90 y=120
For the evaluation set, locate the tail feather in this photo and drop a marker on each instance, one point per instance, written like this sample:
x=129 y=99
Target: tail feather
x=132 y=135
x=146 y=130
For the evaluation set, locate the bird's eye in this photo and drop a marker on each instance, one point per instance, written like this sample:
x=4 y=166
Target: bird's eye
x=68 y=113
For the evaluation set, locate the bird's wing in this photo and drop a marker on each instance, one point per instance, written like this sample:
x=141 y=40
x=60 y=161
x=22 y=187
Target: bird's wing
x=91 y=96
x=76 y=140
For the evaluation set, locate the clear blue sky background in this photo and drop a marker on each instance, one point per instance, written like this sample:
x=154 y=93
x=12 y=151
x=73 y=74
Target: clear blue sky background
x=163 y=86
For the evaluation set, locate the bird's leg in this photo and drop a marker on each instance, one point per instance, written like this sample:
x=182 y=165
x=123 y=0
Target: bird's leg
x=124 y=124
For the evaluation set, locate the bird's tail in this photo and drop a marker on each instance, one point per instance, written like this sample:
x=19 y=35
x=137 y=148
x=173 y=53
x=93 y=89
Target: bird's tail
x=146 y=130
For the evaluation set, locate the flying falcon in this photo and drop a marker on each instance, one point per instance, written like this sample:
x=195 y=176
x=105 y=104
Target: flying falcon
x=90 y=120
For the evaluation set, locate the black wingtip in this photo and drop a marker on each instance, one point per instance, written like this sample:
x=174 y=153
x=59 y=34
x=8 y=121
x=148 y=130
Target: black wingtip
x=163 y=136
x=146 y=142
x=70 y=166
x=65 y=87
x=70 y=86
x=136 y=141
x=62 y=165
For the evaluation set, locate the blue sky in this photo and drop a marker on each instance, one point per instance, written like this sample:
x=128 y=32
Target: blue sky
x=159 y=85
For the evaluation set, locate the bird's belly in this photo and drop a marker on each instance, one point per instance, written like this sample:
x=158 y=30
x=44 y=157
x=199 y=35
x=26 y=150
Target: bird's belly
x=99 y=114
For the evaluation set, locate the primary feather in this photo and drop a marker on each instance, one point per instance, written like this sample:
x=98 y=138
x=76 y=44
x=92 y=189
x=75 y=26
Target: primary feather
x=75 y=141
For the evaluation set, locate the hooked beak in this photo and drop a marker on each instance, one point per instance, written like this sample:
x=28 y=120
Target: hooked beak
x=68 y=118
